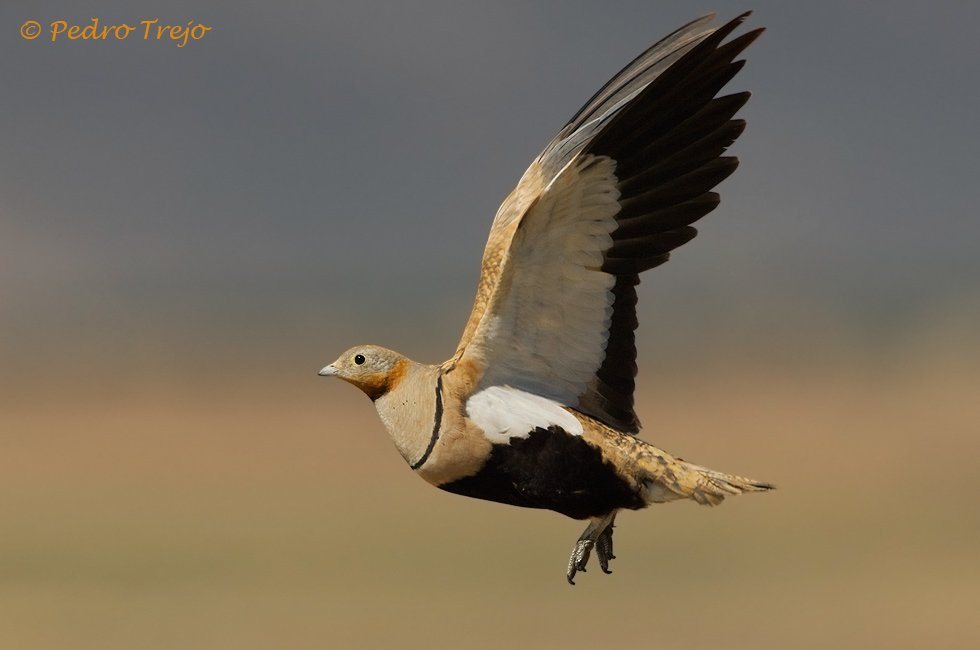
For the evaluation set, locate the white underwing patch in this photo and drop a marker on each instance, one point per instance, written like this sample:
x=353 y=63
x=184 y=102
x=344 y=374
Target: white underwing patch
x=503 y=412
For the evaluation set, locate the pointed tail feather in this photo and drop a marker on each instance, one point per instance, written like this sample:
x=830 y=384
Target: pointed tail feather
x=672 y=478
x=712 y=487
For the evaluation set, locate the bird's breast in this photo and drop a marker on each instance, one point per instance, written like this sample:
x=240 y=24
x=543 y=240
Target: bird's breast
x=425 y=419
x=412 y=412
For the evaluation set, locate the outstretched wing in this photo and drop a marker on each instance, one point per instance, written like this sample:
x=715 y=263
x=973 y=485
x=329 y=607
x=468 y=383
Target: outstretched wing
x=616 y=190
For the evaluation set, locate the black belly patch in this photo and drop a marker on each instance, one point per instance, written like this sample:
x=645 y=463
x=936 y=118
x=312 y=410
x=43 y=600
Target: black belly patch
x=550 y=469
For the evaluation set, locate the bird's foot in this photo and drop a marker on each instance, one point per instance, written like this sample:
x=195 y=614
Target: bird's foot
x=604 y=548
x=597 y=536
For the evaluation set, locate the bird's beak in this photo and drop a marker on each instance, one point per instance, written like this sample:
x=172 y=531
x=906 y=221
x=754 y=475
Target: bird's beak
x=329 y=371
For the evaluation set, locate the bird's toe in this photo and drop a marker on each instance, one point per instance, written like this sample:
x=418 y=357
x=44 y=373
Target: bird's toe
x=579 y=558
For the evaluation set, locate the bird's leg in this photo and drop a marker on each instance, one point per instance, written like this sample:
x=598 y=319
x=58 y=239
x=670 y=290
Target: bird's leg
x=595 y=536
x=604 y=545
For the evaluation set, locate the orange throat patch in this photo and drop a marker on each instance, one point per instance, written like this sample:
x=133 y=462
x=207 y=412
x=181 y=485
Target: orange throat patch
x=380 y=383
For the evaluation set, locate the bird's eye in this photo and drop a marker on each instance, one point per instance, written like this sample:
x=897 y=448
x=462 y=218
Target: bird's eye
x=359 y=359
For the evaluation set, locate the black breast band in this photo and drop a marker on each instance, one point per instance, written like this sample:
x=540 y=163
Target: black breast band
x=435 y=426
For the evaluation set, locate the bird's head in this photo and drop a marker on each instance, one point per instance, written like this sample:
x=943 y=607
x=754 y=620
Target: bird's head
x=373 y=369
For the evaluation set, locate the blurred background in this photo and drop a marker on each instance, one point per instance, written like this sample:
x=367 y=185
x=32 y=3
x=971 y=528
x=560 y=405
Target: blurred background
x=188 y=234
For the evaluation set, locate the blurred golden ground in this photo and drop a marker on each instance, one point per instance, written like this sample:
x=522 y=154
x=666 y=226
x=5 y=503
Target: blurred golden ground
x=185 y=510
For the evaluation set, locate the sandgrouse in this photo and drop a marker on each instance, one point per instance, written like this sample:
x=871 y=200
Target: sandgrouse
x=535 y=408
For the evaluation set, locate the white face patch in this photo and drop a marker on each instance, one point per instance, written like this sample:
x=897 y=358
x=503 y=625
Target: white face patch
x=503 y=413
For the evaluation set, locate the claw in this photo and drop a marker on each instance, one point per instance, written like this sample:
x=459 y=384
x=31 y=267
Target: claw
x=599 y=536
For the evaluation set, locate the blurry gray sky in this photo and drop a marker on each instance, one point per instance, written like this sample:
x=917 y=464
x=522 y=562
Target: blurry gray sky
x=328 y=172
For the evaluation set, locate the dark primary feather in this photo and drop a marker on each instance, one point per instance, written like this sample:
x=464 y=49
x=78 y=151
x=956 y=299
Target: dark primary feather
x=602 y=107
x=638 y=72
x=668 y=142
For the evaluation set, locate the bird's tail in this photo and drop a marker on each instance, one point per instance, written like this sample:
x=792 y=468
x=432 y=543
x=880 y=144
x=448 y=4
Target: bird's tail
x=674 y=478
x=713 y=487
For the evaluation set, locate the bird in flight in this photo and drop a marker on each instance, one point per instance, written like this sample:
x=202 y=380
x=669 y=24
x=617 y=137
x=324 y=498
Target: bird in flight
x=536 y=407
